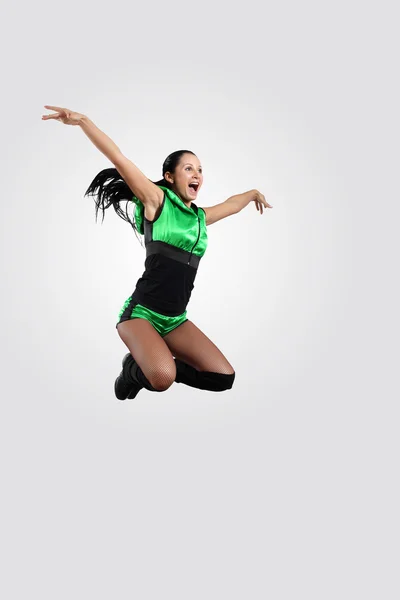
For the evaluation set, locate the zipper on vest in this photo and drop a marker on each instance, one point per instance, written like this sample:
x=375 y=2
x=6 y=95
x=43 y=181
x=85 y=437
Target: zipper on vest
x=198 y=237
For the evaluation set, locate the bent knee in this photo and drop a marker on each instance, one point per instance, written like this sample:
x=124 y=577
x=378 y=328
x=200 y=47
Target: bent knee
x=161 y=380
x=161 y=385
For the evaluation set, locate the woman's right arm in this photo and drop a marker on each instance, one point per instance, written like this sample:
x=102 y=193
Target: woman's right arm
x=141 y=186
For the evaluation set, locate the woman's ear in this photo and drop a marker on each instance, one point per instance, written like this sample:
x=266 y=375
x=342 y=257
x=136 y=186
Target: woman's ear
x=168 y=177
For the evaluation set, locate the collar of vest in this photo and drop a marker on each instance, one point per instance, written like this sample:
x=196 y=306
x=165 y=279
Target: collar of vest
x=139 y=211
x=176 y=200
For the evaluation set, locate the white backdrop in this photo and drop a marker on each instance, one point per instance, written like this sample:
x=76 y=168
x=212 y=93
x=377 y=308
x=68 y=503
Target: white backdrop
x=284 y=487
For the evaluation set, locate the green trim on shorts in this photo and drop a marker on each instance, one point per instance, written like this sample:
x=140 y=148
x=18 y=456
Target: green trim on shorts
x=163 y=324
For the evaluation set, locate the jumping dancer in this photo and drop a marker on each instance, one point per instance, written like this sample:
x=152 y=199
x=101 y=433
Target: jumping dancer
x=164 y=346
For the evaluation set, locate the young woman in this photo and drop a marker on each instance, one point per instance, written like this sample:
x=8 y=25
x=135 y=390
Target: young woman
x=164 y=346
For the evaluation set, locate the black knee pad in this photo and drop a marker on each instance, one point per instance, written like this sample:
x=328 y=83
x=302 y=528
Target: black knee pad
x=203 y=380
x=218 y=382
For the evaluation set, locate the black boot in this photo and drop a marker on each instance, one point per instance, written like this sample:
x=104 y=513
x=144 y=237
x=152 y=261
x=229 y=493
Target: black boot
x=125 y=386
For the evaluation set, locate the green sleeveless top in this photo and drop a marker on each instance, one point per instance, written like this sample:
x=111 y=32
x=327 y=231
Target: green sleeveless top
x=177 y=224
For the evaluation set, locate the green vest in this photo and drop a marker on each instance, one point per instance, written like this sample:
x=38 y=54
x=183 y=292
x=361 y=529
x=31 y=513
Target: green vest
x=177 y=224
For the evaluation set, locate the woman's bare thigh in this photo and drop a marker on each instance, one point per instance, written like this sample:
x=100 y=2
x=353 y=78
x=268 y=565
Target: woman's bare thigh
x=147 y=347
x=189 y=344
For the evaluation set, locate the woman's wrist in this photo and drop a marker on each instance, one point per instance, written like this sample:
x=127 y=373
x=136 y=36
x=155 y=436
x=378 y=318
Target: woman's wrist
x=84 y=120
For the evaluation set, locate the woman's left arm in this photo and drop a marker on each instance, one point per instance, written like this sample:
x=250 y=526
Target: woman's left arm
x=235 y=204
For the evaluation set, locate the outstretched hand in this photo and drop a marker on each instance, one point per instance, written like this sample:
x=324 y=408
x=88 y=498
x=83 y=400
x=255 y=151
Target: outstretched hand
x=260 y=201
x=66 y=116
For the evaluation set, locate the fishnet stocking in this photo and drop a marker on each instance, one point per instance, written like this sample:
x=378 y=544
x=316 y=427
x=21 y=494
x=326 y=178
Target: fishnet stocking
x=150 y=353
x=190 y=345
x=199 y=363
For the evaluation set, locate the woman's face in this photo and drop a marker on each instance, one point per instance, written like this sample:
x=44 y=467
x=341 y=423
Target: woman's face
x=187 y=178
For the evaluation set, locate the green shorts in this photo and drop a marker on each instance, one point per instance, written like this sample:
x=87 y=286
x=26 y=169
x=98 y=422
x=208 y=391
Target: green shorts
x=161 y=323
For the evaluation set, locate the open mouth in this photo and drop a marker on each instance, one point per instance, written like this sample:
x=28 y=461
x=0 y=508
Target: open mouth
x=194 y=186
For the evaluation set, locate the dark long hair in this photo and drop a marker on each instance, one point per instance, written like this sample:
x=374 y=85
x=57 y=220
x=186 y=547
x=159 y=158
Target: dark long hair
x=109 y=189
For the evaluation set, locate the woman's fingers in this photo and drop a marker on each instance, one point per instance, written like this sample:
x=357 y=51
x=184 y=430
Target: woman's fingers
x=65 y=115
x=259 y=206
x=55 y=116
x=57 y=108
x=264 y=202
x=261 y=203
x=60 y=112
